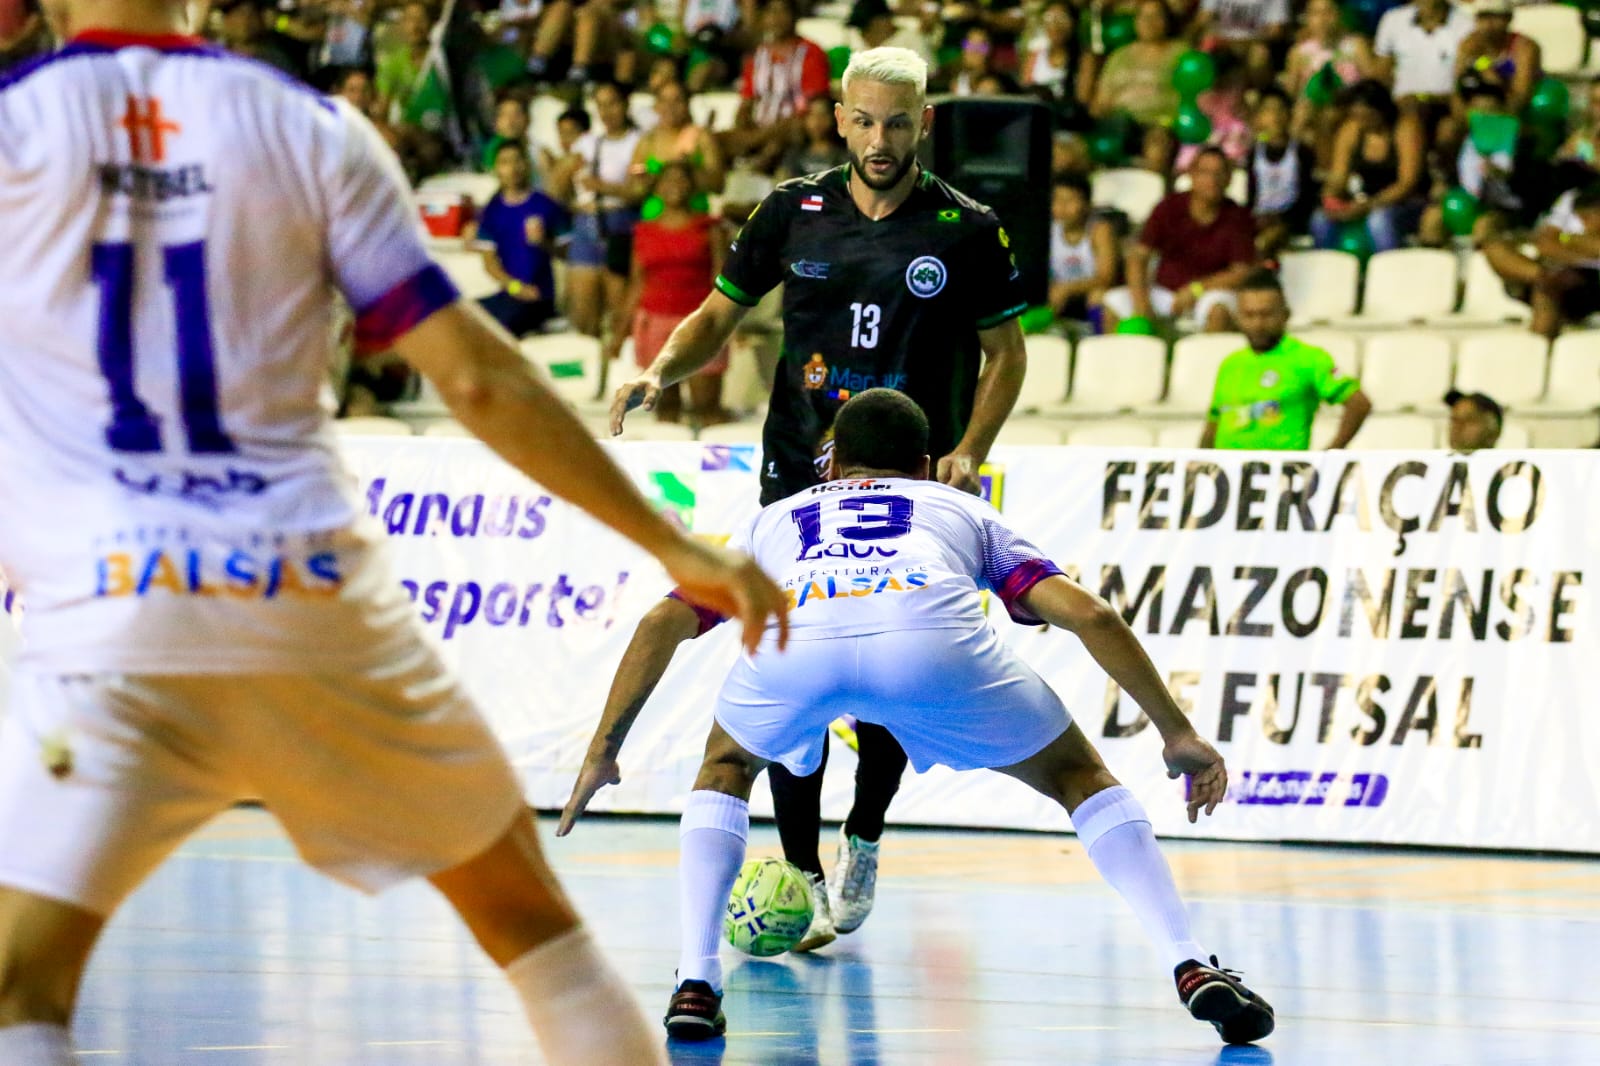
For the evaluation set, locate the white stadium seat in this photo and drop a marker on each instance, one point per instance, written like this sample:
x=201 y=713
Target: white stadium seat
x=572 y=361
x=1484 y=301
x=825 y=33
x=371 y=427
x=466 y=269
x=642 y=110
x=1574 y=372
x=1195 y=360
x=1119 y=434
x=1320 y=285
x=714 y=110
x=479 y=188
x=1180 y=434
x=1410 y=369
x=1131 y=190
x=1409 y=285
x=1397 y=433
x=1345 y=348
x=1028 y=431
x=1118 y=373
x=1510 y=367
x=1558 y=31
x=544 y=111
x=1512 y=435
x=1049 y=364
x=732 y=433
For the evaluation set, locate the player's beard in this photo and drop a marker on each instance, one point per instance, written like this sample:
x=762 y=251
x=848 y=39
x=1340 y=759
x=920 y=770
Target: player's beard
x=885 y=183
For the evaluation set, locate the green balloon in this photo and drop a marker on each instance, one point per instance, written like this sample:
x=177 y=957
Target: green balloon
x=1138 y=324
x=1323 y=86
x=1549 y=102
x=651 y=208
x=838 y=59
x=1116 y=31
x=699 y=203
x=1192 y=126
x=1194 y=74
x=658 y=39
x=1460 y=210
x=1354 y=238
x=1036 y=319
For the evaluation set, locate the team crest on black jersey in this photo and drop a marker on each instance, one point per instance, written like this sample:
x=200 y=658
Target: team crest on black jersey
x=926 y=276
x=816 y=372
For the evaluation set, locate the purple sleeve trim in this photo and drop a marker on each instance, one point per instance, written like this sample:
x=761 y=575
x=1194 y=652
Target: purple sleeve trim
x=404 y=307
x=1018 y=582
x=709 y=619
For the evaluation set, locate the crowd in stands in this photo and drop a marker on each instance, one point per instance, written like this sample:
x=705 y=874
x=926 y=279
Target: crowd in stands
x=1267 y=126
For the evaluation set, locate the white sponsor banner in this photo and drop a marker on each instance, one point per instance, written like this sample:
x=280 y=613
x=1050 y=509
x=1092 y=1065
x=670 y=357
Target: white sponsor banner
x=1385 y=646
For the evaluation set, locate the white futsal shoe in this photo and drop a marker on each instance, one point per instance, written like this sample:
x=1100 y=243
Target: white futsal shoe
x=822 y=931
x=855 y=881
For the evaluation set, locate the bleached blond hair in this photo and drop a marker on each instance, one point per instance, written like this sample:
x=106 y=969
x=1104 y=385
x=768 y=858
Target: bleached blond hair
x=888 y=66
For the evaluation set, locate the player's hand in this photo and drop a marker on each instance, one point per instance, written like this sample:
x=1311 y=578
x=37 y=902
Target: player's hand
x=598 y=772
x=961 y=471
x=529 y=294
x=1208 y=776
x=643 y=391
x=730 y=584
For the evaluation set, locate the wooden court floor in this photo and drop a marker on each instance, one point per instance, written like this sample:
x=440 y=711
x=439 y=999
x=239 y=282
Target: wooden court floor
x=986 y=949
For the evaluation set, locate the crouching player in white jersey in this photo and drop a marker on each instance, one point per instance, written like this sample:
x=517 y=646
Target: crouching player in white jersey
x=900 y=639
x=209 y=617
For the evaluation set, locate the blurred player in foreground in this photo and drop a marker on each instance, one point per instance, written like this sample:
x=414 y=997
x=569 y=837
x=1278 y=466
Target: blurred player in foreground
x=901 y=640
x=208 y=616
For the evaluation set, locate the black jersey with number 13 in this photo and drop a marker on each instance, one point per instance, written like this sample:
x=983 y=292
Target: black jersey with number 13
x=895 y=303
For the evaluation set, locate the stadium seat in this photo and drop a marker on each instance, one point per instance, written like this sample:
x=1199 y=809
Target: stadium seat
x=1406 y=370
x=732 y=433
x=572 y=361
x=825 y=33
x=642 y=110
x=1345 y=348
x=1180 y=434
x=1408 y=285
x=1320 y=285
x=1132 y=191
x=1510 y=367
x=1117 y=434
x=1397 y=433
x=479 y=188
x=1195 y=360
x=371 y=427
x=1563 y=432
x=466 y=269
x=1119 y=372
x=447 y=427
x=544 y=111
x=714 y=110
x=1028 y=431
x=1049 y=364
x=1513 y=435
x=1558 y=31
x=1574 y=372
x=1484 y=301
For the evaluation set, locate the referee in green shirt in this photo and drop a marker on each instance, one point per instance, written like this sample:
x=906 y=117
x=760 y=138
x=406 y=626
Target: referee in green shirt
x=1267 y=394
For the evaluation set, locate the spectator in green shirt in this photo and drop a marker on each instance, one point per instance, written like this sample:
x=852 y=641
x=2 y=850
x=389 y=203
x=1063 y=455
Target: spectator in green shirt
x=1267 y=394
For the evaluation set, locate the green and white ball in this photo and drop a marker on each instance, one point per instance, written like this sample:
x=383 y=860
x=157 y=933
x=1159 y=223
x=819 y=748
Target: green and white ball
x=769 y=909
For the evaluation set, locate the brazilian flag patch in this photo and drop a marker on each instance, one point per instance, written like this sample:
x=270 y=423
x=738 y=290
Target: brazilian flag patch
x=950 y=215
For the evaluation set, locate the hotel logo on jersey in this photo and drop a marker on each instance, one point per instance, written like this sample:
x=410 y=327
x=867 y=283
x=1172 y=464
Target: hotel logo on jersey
x=148 y=129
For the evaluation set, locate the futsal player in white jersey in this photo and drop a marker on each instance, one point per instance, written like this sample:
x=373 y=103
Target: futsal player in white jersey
x=883 y=570
x=208 y=617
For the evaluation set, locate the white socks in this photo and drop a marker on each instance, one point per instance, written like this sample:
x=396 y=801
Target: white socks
x=36 y=1044
x=581 y=1011
x=711 y=845
x=1116 y=833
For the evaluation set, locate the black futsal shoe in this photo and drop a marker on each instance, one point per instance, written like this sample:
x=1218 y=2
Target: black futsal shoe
x=1215 y=995
x=695 y=1013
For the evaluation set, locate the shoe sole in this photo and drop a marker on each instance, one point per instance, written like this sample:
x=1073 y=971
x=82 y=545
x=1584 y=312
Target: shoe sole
x=1237 y=1019
x=693 y=1028
x=812 y=943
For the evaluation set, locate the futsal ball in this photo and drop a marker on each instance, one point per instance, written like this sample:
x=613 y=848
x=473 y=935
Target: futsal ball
x=770 y=908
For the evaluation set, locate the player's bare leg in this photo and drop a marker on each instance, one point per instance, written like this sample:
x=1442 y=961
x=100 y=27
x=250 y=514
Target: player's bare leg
x=712 y=836
x=1116 y=834
x=44 y=946
x=581 y=1011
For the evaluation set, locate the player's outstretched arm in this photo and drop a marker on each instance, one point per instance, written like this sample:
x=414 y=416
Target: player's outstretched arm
x=665 y=626
x=1107 y=637
x=695 y=342
x=494 y=392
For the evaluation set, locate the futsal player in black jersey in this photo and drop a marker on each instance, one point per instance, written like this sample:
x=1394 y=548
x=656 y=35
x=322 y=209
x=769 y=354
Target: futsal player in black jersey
x=891 y=279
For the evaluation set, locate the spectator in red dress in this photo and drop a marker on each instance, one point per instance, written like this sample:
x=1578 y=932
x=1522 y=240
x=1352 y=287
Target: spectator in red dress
x=1206 y=244
x=676 y=256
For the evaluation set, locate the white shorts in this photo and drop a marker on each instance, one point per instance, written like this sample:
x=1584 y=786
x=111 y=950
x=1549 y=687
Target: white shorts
x=952 y=697
x=1119 y=301
x=376 y=777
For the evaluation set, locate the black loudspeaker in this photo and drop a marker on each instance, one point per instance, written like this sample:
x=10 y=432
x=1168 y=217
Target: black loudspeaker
x=996 y=149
